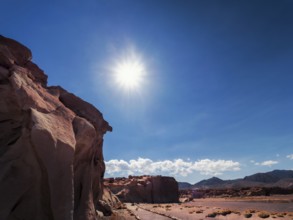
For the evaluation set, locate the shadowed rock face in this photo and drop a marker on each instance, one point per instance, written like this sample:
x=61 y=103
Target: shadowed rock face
x=146 y=189
x=51 y=160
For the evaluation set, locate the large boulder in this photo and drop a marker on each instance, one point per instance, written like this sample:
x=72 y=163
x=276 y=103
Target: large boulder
x=51 y=160
x=145 y=189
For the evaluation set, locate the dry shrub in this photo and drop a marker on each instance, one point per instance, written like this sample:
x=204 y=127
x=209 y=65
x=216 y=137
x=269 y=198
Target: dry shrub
x=212 y=215
x=199 y=211
x=236 y=212
x=247 y=215
x=225 y=212
x=263 y=215
x=281 y=215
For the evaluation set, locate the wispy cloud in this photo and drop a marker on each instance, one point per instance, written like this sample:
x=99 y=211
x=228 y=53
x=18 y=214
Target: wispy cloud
x=268 y=163
x=170 y=167
x=290 y=156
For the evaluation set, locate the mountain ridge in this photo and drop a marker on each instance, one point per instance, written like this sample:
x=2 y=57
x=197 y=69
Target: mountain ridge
x=275 y=178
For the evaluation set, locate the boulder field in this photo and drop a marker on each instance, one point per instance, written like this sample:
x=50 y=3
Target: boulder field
x=51 y=158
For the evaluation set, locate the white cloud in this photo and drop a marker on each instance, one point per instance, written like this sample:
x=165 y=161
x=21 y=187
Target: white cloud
x=170 y=167
x=215 y=167
x=268 y=163
x=290 y=156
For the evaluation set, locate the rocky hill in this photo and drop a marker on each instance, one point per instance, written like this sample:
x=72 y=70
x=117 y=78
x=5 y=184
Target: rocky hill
x=147 y=189
x=184 y=185
x=270 y=177
x=214 y=181
x=276 y=178
x=51 y=159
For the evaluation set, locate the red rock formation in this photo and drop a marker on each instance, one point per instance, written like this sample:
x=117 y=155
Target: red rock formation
x=51 y=161
x=146 y=189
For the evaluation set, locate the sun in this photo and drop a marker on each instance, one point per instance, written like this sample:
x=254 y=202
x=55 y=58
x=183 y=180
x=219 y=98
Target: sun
x=129 y=72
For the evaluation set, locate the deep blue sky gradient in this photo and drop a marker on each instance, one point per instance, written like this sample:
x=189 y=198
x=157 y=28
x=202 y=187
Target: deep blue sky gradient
x=219 y=82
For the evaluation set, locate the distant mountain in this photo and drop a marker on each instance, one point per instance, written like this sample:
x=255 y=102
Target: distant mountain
x=214 y=181
x=184 y=185
x=276 y=178
x=270 y=177
x=284 y=183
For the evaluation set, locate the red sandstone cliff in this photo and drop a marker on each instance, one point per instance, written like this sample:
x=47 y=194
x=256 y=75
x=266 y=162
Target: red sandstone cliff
x=51 y=160
x=147 y=189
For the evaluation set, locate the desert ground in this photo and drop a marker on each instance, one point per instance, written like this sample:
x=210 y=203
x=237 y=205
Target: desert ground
x=273 y=207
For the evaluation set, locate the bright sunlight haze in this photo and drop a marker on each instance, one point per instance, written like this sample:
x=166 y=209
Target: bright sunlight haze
x=129 y=71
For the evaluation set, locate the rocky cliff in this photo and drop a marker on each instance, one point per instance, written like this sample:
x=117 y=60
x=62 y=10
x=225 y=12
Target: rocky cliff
x=51 y=160
x=147 y=189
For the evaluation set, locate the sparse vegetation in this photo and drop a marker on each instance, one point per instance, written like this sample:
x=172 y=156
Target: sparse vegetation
x=224 y=212
x=281 y=215
x=263 y=215
x=212 y=215
x=247 y=215
x=237 y=212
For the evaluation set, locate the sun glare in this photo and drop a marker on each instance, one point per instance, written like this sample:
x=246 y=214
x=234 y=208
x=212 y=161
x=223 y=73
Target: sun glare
x=129 y=72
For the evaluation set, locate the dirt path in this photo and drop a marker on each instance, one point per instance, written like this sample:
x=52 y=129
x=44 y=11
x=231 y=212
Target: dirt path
x=143 y=214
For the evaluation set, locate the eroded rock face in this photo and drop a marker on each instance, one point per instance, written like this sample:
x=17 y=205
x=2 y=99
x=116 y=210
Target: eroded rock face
x=146 y=189
x=51 y=160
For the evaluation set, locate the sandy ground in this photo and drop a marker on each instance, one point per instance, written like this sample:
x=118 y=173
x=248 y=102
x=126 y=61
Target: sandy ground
x=273 y=207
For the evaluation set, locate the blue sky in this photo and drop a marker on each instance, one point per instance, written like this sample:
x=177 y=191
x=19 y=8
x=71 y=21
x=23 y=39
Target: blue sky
x=216 y=97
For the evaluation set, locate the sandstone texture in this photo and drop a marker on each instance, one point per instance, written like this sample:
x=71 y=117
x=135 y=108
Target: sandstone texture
x=145 y=189
x=51 y=160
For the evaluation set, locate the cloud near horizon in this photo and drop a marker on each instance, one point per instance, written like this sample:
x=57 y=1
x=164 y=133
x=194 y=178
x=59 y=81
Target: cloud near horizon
x=290 y=156
x=175 y=167
x=268 y=163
